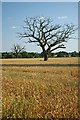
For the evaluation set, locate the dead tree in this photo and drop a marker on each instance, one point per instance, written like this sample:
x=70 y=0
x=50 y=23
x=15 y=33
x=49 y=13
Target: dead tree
x=48 y=36
x=17 y=49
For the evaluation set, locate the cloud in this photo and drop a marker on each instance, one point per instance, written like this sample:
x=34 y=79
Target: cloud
x=62 y=17
x=13 y=27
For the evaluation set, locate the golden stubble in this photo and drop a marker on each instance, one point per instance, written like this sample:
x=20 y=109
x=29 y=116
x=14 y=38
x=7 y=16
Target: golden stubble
x=40 y=92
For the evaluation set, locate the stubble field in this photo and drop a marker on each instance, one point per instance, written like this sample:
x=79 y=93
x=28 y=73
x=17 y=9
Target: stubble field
x=40 y=92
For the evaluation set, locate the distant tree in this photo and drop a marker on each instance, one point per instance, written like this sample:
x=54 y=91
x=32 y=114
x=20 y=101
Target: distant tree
x=13 y=55
x=51 y=55
x=24 y=54
x=19 y=55
x=17 y=49
x=60 y=54
x=74 y=54
x=48 y=36
x=79 y=54
x=0 y=55
x=7 y=55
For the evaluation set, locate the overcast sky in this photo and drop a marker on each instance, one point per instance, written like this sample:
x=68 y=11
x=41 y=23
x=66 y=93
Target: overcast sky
x=14 y=14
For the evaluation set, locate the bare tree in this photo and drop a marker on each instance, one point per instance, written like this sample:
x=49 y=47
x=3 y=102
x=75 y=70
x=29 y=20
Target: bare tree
x=17 y=49
x=48 y=36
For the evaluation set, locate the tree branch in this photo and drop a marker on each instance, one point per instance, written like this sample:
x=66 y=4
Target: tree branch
x=60 y=46
x=47 y=35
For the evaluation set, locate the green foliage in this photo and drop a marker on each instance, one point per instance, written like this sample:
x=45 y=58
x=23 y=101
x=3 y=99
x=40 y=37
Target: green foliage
x=62 y=54
x=51 y=55
x=79 y=53
x=6 y=55
x=74 y=54
x=25 y=54
x=0 y=55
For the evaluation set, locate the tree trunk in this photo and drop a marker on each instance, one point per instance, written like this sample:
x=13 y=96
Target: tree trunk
x=45 y=56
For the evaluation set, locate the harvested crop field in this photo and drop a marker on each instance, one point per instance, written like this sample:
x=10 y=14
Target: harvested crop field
x=71 y=60
x=40 y=92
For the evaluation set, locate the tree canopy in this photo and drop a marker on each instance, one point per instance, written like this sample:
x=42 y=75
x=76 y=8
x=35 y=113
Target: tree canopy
x=45 y=34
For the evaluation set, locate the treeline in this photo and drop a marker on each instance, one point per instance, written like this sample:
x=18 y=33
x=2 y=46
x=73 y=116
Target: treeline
x=25 y=54
x=20 y=55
